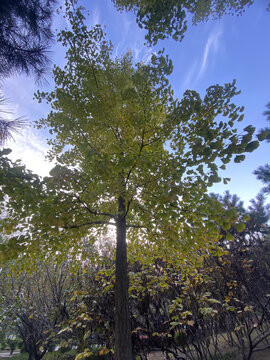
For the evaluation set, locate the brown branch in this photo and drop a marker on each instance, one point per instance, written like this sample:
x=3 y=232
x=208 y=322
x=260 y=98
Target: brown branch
x=94 y=74
x=150 y=142
x=93 y=212
x=261 y=349
x=136 y=226
x=128 y=206
x=88 y=224
x=91 y=147
x=261 y=338
x=139 y=155
x=117 y=135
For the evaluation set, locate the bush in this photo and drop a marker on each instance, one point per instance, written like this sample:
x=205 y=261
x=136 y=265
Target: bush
x=60 y=355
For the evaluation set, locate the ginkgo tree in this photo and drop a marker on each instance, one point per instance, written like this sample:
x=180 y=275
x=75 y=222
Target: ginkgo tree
x=129 y=156
x=169 y=18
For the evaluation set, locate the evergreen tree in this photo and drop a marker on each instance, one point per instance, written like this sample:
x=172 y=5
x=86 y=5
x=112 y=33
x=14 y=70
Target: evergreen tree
x=25 y=32
x=263 y=172
x=8 y=127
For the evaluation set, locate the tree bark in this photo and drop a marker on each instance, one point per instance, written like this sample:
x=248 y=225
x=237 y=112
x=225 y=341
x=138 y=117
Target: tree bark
x=123 y=347
x=30 y=353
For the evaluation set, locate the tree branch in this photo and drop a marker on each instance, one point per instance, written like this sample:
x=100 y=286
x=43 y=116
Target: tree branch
x=88 y=224
x=93 y=212
x=139 y=155
x=136 y=226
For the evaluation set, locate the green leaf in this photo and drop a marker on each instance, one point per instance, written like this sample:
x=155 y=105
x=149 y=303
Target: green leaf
x=239 y=158
x=252 y=146
x=263 y=135
x=5 y=152
x=240 y=227
x=229 y=237
x=245 y=217
x=250 y=129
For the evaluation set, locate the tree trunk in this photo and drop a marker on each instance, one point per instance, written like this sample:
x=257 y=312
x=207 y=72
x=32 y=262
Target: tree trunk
x=30 y=353
x=123 y=348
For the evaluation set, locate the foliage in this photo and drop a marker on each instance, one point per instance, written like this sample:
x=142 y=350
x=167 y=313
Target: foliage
x=90 y=326
x=193 y=309
x=215 y=300
x=263 y=172
x=24 y=36
x=114 y=121
x=8 y=127
x=21 y=187
x=163 y=18
x=222 y=304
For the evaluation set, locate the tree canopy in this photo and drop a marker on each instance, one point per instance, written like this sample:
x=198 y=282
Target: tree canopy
x=169 y=18
x=129 y=156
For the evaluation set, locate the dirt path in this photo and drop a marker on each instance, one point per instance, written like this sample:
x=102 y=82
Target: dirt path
x=262 y=355
x=6 y=354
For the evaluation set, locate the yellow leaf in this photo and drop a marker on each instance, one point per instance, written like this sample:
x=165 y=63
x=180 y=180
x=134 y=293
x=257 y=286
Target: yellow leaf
x=104 y=352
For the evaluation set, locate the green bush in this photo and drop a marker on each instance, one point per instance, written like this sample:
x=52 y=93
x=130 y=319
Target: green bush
x=181 y=338
x=60 y=355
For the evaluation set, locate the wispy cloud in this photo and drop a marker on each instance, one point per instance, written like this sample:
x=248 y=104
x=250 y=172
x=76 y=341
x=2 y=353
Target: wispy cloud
x=199 y=65
x=211 y=48
x=95 y=17
x=141 y=52
x=126 y=22
x=189 y=78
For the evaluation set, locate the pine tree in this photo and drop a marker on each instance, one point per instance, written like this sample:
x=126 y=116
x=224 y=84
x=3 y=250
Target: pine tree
x=25 y=33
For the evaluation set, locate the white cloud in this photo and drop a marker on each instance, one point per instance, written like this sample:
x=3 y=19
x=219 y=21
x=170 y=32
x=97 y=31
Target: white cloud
x=141 y=53
x=199 y=65
x=147 y=55
x=126 y=22
x=95 y=17
x=211 y=48
x=31 y=149
x=188 y=81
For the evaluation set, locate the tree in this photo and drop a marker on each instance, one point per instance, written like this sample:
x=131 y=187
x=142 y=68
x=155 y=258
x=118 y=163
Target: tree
x=8 y=127
x=25 y=33
x=129 y=156
x=163 y=18
x=24 y=36
x=34 y=305
x=263 y=172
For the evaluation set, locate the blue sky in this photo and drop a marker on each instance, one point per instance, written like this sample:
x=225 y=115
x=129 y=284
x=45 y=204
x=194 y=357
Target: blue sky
x=214 y=52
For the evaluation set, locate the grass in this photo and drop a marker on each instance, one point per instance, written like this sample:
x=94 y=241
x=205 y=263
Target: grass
x=54 y=355
x=58 y=355
x=227 y=356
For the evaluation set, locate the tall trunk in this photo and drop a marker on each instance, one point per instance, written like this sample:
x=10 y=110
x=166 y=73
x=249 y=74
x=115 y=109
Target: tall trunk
x=30 y=353
x=123 y=348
